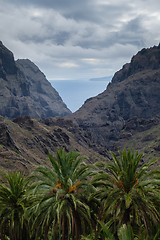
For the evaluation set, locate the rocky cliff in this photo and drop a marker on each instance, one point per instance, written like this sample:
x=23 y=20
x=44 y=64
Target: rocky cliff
x=133 y=91
x=24 y=90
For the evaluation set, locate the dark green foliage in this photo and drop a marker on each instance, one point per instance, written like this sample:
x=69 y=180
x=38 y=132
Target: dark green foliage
x=73 y=200
x=130 y=192
x=60 y=196
x=12 y=207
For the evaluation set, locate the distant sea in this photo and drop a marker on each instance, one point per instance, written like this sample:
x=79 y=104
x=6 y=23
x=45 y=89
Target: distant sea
x=75 y=92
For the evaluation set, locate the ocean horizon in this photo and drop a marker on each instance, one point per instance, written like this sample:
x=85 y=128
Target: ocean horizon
x=75 y=92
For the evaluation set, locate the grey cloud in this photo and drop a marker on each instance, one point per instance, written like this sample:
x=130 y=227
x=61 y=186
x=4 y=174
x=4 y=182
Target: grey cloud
x=84 y=10
x=59 y=5
x=131 y=33
x=79 y=38
x=134 y=25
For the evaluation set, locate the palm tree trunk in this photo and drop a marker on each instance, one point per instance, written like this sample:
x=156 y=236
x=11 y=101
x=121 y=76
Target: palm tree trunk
x=126 y=216
x=65 y=225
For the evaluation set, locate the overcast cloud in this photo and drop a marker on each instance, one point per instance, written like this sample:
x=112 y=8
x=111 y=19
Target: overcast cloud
x=79 y=39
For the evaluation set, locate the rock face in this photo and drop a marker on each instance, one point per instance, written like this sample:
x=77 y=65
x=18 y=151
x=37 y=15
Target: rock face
x=133 y=91
x=25 y=90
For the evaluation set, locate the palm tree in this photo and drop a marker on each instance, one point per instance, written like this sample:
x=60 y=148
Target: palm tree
x=60 y=196
x=131 y=193
x=12 y=206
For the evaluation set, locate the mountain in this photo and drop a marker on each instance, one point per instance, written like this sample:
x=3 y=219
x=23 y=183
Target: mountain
x=125 y=115
x=25 y=90
x=133 y=92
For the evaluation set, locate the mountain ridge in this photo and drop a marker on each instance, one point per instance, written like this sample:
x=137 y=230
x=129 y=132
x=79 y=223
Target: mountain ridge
x=25 y=90
x=133 y=91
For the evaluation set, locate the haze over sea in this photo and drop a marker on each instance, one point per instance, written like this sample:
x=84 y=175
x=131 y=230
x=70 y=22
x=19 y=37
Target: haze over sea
x=75 y=92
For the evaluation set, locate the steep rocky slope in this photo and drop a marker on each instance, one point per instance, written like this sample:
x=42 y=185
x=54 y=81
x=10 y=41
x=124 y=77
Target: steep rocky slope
x=25 y=142
x=133 y=91
x=141 y=135
x=24 y=90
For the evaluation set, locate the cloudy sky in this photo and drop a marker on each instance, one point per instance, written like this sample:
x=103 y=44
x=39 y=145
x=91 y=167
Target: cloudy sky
x=79 y=39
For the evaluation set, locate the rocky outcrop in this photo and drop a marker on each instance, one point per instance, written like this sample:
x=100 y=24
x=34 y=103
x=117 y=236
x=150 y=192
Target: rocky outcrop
x=25 y=90
x=7 y=64
x=145 y=60
x=81 y=136
x=136 y=124
x=133 y=91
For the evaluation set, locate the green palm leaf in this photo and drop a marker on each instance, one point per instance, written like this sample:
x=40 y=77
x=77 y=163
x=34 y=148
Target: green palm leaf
x=12 y=207
x=125 y=233
x=130 y=193
x=60 y=193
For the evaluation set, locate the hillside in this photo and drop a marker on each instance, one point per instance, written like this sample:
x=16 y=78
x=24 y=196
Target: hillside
x=26 y=142
x=133 y=92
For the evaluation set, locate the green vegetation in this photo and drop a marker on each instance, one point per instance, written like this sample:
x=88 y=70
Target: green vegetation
x=117 y=200
x=59 y=197
x=130 y=194
x=16 y=151
x=12 y=207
